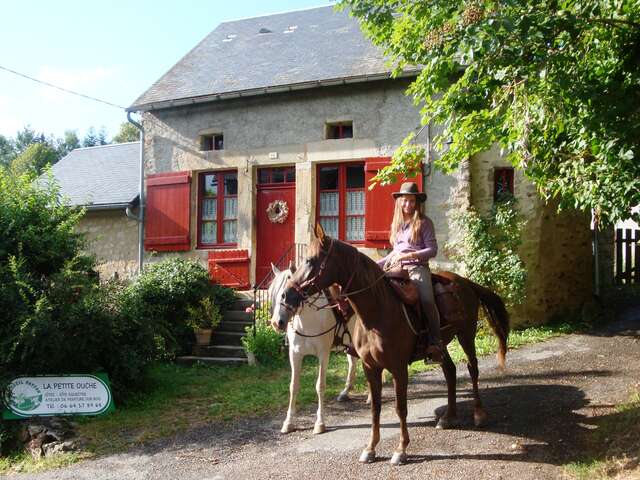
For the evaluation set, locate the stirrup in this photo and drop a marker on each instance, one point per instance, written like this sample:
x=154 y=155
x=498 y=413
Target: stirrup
x=434 y=353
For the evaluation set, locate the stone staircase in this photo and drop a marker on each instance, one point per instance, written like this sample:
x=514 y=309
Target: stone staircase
x=225 y=346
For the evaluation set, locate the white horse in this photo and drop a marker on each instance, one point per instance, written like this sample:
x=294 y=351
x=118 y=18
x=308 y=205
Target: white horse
x=310 y=332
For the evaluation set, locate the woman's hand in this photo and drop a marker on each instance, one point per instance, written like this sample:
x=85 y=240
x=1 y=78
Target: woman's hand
x=404 y=257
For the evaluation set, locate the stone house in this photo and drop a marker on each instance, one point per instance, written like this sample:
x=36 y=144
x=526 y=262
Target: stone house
x=104 y=181
x=294 y=113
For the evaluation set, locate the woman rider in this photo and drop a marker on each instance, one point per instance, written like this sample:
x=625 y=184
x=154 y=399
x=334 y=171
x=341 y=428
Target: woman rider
x=414 y=243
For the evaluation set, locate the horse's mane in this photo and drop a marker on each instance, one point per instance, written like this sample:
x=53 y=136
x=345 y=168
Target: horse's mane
x=368 y=270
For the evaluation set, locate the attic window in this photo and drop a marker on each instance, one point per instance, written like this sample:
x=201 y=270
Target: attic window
x=338 y=130
x=229 y=37
x=291 y=29
x=264 y=30
x=212 y=142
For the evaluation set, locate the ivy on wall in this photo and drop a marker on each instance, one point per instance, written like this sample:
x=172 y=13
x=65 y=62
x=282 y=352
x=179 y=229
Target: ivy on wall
x=487 y=247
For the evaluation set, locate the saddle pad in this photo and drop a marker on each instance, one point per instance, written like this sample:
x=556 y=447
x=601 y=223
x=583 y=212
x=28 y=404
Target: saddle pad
x=447 y=301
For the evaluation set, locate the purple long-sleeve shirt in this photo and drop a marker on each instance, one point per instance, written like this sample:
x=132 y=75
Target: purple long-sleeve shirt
x=426 y=246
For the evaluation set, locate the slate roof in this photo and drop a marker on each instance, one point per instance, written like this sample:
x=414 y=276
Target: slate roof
x=100 y=177
x=299 y=49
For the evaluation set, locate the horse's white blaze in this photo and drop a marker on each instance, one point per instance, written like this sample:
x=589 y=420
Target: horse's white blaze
x=309 y=321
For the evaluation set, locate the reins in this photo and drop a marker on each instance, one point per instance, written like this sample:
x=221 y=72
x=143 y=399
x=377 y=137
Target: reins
x=313 y=282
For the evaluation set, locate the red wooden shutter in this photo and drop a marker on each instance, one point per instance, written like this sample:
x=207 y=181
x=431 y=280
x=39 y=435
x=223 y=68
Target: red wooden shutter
x=379 y=204
x=168 y=212
x=230 y=268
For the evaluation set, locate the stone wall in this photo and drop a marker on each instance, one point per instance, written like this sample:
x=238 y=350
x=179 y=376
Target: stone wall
x=556 y=247
x=113 y=238
x=292 y=126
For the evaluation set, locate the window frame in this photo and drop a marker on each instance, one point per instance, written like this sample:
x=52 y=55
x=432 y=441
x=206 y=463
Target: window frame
x=342 y=198
x=285 y=169
x=506 y=174
x=213 y=138
x=340 y=126
x=219 y=209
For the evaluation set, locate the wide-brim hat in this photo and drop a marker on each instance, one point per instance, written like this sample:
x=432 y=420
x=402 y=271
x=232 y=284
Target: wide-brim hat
x=410 y=188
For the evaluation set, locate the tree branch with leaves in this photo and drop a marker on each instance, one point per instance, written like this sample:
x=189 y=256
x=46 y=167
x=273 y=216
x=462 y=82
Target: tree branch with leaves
x=556 y=84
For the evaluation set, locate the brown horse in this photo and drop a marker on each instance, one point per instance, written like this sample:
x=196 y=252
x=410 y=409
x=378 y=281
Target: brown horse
x=382 y=337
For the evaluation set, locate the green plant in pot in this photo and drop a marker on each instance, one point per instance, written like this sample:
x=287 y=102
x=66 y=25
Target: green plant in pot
x=203 y=318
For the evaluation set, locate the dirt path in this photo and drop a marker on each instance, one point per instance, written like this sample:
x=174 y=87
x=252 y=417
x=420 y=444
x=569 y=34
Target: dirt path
x=540 y=410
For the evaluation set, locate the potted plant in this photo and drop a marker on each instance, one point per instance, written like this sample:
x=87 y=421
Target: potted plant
x=203 y=318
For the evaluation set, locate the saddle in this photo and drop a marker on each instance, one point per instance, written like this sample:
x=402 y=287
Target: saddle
x=403 y=286
x=445 y=292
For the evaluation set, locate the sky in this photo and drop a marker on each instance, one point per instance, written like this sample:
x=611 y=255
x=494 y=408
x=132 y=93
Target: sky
x=111 y=50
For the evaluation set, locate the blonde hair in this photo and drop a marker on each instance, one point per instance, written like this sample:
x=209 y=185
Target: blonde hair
x=398 y=221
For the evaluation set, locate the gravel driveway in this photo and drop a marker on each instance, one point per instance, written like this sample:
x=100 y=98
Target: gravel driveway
x=540 y=410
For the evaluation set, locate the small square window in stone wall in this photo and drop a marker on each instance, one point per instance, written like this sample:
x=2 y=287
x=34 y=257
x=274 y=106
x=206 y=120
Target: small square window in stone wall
x=502 y=182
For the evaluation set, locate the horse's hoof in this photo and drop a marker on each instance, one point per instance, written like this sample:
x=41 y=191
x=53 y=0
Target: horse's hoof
x=479 y=418
x=319 y=428
x=367 y=456
x=398 y=458
x=287 y=428
x=368 y=402
x=343 y=397
x=444 y=423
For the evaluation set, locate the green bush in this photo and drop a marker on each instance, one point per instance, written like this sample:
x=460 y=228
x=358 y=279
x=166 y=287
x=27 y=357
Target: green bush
x=168 y=294
x=57 y=318
x=205 y=314
x=265 y=343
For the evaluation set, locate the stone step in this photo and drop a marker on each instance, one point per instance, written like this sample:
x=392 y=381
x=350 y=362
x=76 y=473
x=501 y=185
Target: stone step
x=237 y=316
x=241 y=304
x=190 y=360
x=233 y=326
x=220 y=351
x=223 y=337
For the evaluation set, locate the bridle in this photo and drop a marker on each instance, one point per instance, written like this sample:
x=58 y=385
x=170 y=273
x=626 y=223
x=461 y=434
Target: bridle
x=312 y=282
x=304 y=287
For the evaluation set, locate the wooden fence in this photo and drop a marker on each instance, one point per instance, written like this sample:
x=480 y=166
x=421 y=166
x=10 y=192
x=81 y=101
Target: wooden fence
x=627 y=266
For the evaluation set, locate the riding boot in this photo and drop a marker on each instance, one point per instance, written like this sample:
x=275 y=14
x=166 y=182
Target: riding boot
x=434 y=342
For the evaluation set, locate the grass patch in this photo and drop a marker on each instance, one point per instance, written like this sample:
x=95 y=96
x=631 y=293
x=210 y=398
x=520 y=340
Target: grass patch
x=24 y=463
x=612 y=450
x=176 y=398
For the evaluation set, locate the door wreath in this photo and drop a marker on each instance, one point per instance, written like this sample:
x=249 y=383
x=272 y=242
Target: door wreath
x=278 y=211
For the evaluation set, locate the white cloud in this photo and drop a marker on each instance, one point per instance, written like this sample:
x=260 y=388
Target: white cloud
x=81 y=80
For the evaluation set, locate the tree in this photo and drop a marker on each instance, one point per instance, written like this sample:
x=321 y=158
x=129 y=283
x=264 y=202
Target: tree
x=90 y=138
x=555 y=83
x=127 y=133
x=7 y=151
x=102 y=137
x=34 y=159
x=25 y=137
x=69 y=142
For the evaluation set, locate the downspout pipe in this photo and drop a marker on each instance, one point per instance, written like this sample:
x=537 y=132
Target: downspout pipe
x=140 y=217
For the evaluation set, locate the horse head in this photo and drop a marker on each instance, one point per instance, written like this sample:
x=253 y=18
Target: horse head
x=275 y=293
x=317 y=272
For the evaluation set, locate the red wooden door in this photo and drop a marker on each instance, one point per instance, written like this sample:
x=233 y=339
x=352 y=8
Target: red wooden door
x=273 y=238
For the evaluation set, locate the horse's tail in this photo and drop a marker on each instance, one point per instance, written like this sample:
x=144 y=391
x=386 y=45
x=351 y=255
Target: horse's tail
x=497 y=315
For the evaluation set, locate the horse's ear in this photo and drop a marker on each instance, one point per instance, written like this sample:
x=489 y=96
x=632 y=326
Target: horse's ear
x=275 y=269
x=292 y=266
x=319 y=232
